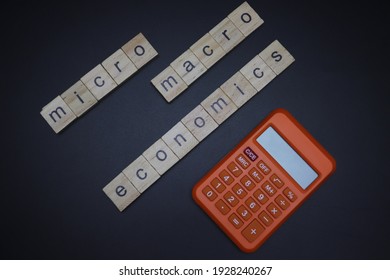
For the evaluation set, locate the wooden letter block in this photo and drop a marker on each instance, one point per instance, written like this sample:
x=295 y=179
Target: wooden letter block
x=121 y=192
x=199 y=123
x=188 y=67
x=258 y=73
x=277 y=57
x=160 y=156
x=180 y=140
x=219 y=106
x=57 y=114
x=99 y=82
x=238 y=89
x=227 y=35
x=141 y=174
x=119 y=66
x=169 y=84
x=208 y=50
x=79 y=98
x=245 y=19
x=139 y=50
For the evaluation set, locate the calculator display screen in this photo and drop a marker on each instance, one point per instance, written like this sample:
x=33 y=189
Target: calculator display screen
x=287 y=157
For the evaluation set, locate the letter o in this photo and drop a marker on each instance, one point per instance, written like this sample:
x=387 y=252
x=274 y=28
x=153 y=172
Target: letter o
x=139 y=176
x=199 y=122
x=164 y=155
x=139 y=53
x=248 y=16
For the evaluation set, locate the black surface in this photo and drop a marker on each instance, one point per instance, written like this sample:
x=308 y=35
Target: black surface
x=52 y=204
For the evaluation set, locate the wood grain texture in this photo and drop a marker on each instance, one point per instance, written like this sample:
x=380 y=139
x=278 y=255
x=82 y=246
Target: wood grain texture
x=199 y=123
x=58 y=114
x=207 y=50
x=245 y=19
x=160 y=156
x=99 y=82
x=258 y=73
x=227 y=34
x=141 y=174
x=277 y=57
x=119 y=66
x=121 y=191
x=169 y=84
x=219 y=106
x=238 y=89
x=79 y=98
x=139 y=50
x=180 y=140
x=188 y=67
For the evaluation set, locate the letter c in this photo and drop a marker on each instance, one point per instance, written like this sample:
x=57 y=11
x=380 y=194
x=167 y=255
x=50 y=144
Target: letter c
x=145 y=175
x=96 y=81
x=256 y=74
x=207 y=53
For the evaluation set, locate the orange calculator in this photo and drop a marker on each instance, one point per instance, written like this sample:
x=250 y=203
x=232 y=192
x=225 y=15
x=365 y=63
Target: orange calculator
x=258 y=185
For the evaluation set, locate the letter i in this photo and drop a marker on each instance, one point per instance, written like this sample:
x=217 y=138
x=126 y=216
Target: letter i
x=78 y=96
x=240 y=90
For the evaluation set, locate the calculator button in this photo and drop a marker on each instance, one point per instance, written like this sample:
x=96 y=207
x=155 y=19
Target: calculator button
x=265 y=218
x=252 y=205
x=276 y=181
x=234 y=169
x=274 y=210
x=253 y=231
x=217 y=185
x=244 y=213
x=226 y=177
x=231 y=199
x=289 y=194
x=222 y=207
x=209 y=193
x=235 y=220
x=239 y=191
x=282 y=202
x=255 y=175
x=260 y=196
x=247 y=183
x=263 y=167
x=242 y=161
x=268 y=188
x=250 y=154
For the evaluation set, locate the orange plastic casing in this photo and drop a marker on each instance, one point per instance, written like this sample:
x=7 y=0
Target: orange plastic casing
x=207 y=196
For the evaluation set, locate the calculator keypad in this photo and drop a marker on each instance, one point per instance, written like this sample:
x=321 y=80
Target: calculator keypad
x=251 y=194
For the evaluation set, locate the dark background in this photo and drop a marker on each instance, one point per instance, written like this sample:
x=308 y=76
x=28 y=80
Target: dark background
x=52 y=203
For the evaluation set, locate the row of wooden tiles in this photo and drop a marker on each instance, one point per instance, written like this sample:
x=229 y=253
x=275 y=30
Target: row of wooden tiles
x=98 y=82
x=197 y=125
x=209 y=49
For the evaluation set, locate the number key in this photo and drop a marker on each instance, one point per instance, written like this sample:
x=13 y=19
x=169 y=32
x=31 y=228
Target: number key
x=252 y=204
x=234 y=169
x=244 y=213
x=209 y=193
x=260 y=196
x=239 y=191
x=226 y=177
x=231 y=199
x=217 y=185
x=248 y=183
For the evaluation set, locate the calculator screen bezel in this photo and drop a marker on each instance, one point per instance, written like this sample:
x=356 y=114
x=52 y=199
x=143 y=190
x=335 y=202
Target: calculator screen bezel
x=302 y=142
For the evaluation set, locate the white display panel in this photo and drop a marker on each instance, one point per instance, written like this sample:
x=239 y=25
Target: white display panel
x=287 y=157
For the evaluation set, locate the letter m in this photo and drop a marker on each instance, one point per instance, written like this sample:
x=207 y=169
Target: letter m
x=168 y=82
x=217 y=104
x=56 y=113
